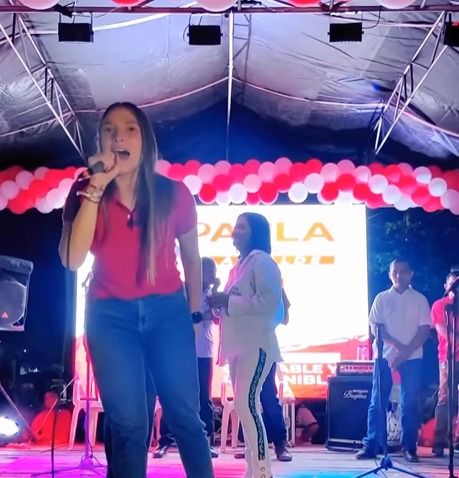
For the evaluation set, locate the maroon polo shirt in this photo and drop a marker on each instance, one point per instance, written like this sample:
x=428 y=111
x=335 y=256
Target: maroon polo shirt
x=116 y=250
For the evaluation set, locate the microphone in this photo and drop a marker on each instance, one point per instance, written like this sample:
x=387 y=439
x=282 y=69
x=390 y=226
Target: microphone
x=99 y=167
x=453 y=286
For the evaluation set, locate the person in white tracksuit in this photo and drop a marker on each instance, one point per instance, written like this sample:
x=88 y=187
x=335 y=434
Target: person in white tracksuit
x=248 y=308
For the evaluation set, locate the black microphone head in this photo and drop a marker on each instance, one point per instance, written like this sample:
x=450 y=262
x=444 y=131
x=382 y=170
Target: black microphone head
x=97 y=168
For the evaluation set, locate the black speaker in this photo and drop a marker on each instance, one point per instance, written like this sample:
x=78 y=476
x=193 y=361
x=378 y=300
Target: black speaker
x=347 y=408
x=210 y=35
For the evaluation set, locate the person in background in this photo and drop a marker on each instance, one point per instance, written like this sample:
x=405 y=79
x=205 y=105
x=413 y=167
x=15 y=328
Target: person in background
x=42 y=424
x=204 y=351
x=441 y=410
x=273 y=417
x=402 y=316
x=139 y=324
x=249 y=307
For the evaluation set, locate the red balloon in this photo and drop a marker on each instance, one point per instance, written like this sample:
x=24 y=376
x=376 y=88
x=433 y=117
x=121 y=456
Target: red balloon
x=222 y=183
x=69 y=172
x=393 y=173
x=376 y=168
x=436 y=171
x=421 y=196
x=11 y=173
x=177 y=172
x=127 y=3
x=252 y=166
x=282 y=182
x=192 y=167
x=361 y=192
x=268 y=193
x=38 y=188
x=375 y=201
x=252 y=199
x=452 y=179
x=298 y=172
x=346 y=182
x=21 y=203
x=433 y=205
x=237 y=173
x=313 y=166
x=207 y=194
x=407 y=184
x=53 y=177
x=330 y=192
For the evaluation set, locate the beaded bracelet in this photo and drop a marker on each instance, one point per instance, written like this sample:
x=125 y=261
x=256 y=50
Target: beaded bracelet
x=92 y=194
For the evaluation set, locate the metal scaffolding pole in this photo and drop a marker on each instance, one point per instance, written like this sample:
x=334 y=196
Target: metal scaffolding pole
x=406 y=88
x=48 y=87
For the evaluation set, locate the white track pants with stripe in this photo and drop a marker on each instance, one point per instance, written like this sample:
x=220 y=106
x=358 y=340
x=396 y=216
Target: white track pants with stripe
x=248 y=373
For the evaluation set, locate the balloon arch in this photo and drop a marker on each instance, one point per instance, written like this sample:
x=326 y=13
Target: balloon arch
x=398 y=185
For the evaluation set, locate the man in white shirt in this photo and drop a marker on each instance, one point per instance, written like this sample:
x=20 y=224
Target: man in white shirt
x=402 y=315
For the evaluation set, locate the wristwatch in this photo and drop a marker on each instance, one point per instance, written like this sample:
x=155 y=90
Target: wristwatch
x=197 y=317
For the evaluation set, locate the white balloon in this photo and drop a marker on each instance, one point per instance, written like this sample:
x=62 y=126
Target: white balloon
x=362 y=174
x=329 y=172
x=392 y=194
x=216 y=5
x=206 y=173
x=455 y=209
x=396 y=4
x=283 y=165
x=405 y=168
x=346 y=166
x=223 y=199
x=252 y=183
x=237 y=193
x=9 y=189
x=40 y=173
x=65 y=185
x=162 y=166
x=314 y=183
x=43 y=206
x=298 y=193
x=345 y=198
x=450 y=200
x=24 y=178
x=266 y=172
x=55 y=198
x=39 y=4
x=3 y=203
x=423 y=175
x=193 y=183
x=437 y=187
x=377 y=183
x=403 y=204
x=222 y=167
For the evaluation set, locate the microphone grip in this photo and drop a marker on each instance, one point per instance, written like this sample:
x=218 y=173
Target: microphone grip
x=99 y=167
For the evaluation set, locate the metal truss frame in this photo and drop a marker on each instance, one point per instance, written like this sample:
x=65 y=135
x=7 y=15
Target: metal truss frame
x=407 y=87
x=49 y=88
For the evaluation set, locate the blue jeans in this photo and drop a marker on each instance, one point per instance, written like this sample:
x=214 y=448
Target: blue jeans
x=130 y=341
x=410 y=375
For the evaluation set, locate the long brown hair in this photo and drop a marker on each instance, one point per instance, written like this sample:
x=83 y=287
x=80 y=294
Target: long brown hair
x=154 y=195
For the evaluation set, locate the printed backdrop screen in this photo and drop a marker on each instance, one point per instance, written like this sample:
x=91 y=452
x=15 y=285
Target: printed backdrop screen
x=322 y=254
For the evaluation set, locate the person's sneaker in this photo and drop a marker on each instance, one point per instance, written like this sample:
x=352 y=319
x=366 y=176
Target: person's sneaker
x=411 y=456
x=365 y=454
x=438 y=451
x=282 y=453
x=160 y=452
x=239 y=455
x=213 y=452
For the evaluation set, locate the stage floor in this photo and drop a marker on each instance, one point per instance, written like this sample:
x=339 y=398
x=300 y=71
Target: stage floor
x=307 y=462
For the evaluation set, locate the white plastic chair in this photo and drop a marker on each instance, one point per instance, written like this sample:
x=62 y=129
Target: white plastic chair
x=229 y=415
x=79 y=403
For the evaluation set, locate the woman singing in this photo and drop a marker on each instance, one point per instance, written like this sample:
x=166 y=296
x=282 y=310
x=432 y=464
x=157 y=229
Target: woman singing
x=139 y=326
x=249 y=307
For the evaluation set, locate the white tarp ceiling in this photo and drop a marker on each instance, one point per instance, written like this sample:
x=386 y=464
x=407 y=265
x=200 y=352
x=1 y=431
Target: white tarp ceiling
x=281 y=66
